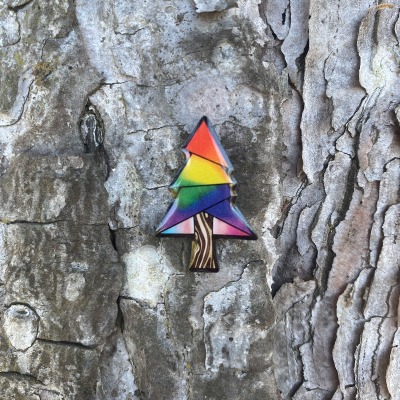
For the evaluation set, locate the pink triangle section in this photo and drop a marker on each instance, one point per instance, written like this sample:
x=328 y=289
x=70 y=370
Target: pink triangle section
x=222 y=228
x=185 y=227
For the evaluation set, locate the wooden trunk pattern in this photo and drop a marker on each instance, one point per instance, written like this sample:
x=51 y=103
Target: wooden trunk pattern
x=202 y=257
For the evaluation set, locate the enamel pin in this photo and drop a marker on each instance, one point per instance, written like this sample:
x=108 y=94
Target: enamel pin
x=204 y=199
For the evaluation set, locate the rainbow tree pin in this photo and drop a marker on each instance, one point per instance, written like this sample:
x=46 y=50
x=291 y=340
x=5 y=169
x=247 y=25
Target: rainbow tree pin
x=204 y=199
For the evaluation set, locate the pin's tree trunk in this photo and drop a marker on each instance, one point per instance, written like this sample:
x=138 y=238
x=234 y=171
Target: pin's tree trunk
x=202 y=258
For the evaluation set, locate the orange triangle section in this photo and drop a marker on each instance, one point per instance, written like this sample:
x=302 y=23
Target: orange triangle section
x=205 y=144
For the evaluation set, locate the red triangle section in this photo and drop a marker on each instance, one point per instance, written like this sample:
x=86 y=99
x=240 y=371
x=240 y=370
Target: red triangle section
x=224 y=229
x=206 y=145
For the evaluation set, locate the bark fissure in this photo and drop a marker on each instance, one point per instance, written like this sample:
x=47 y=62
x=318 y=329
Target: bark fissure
x=20 y=376
x=65 y=343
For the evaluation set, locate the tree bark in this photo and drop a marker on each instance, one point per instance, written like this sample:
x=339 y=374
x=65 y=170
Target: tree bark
x=96 y=100
x=202 y=258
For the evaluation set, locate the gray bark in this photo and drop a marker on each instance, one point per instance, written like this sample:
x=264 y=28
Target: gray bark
x=96 y=100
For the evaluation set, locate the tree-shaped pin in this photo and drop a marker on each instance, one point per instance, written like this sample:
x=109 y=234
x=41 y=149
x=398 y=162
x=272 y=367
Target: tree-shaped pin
x=204 y=199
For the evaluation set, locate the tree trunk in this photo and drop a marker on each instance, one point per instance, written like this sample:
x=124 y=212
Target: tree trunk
x=202 y=257
x=96 y=100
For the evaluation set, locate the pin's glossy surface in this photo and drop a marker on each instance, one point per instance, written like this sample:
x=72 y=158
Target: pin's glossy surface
x=204 y=199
